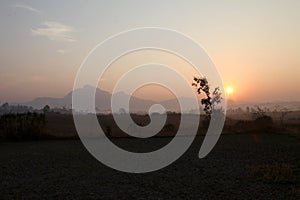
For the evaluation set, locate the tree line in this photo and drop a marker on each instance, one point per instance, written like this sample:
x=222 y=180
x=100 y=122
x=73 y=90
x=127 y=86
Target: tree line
x=22 y=125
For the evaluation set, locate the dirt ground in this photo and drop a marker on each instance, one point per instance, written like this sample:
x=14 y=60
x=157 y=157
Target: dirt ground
x=241 y=166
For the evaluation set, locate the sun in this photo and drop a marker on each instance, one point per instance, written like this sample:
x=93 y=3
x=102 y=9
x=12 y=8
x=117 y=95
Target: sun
x=229 y=90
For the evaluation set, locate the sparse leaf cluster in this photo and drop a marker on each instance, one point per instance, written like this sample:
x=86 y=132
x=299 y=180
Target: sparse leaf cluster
x=209 y=101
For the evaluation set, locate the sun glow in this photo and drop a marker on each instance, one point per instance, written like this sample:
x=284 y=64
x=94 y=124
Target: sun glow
x=229 y=90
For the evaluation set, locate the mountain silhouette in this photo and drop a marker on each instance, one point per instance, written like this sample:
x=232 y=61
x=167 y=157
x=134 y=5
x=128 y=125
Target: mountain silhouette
x=103 y=101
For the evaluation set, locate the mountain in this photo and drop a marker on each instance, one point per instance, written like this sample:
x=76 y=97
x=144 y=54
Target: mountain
x=173 y=104
x=102 y=100
x=40 y=102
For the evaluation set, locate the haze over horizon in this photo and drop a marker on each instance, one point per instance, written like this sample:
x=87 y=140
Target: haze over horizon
x=139 y=95
x=254 y=44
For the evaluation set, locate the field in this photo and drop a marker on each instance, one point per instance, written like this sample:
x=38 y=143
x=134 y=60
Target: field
x=241 y=166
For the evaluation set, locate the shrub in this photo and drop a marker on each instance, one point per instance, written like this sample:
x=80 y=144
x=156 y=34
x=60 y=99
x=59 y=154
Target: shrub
x=264 y=122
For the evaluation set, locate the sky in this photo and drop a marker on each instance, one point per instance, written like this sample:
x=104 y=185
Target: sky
x=254 y=44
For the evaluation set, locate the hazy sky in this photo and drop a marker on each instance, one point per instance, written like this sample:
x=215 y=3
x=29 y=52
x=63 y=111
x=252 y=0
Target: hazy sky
x=254 y=44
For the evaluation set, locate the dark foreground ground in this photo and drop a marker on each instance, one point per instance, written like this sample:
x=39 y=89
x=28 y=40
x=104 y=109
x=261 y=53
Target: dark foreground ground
x=248 y=166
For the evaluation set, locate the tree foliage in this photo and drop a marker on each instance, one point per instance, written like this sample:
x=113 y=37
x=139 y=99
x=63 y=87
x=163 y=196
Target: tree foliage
x=211 y=99
x=46 y=109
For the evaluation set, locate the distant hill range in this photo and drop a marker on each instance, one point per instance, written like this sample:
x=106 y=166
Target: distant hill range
x=103 y=99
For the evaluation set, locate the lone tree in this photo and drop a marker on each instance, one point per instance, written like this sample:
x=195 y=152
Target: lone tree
x=211 y=99
x=46 y=109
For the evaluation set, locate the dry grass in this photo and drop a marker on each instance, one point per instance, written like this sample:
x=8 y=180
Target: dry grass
x=274 y=173
x=279 y=173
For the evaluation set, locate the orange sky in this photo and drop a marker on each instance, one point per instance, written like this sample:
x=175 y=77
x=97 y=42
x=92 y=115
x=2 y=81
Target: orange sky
x=254 y=44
